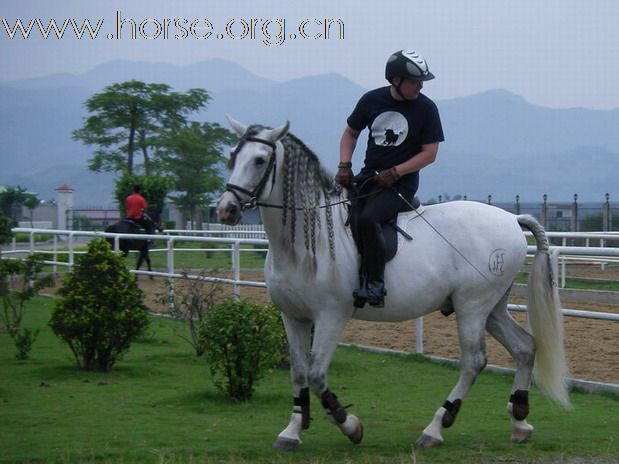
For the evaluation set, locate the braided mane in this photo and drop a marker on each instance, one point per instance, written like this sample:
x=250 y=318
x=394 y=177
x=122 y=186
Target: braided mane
x=306 y=187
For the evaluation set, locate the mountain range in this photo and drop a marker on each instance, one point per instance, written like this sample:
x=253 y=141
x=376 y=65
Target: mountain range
x=496 y=142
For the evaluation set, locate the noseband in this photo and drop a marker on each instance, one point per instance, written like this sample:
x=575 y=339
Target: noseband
x=236 y=190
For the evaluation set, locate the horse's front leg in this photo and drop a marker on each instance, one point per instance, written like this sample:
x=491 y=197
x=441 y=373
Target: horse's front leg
x=298 y=334
x=147 y=259
x=327 y=334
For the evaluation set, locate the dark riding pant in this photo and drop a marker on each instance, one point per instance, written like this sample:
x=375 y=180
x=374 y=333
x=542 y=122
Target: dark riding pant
x=376 y=210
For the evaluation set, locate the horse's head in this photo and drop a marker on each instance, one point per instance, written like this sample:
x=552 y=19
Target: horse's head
x=252 y=163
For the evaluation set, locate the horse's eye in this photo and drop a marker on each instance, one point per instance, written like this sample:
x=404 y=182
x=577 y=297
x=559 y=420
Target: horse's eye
x=259 y=161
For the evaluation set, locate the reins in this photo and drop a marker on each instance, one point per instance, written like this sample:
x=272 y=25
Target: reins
x=327 y=205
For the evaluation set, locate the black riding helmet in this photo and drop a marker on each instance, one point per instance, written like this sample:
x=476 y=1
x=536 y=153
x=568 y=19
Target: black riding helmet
x=407 y=64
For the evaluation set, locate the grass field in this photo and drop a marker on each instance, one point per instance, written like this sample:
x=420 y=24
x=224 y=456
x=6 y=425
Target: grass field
x=209 y=258
x=158 y=405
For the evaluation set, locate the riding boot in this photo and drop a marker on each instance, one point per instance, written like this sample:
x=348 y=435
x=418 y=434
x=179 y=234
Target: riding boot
x=375 y=265
x=360 y=295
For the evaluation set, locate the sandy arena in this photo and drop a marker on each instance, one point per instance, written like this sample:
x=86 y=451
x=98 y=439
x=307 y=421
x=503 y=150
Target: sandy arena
x=592 y=346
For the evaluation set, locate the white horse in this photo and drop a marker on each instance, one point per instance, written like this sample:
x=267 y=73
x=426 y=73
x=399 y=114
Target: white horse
x=464 y=256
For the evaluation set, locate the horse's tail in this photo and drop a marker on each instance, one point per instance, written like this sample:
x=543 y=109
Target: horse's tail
x=545 y=318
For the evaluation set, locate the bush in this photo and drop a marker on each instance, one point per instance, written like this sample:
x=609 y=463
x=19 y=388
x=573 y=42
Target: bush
x=191 y=302
x=5 y=229
x=20 y=281
x=101 y=310
x=242 y=341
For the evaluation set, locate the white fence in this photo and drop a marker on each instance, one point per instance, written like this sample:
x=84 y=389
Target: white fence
x=560 y=255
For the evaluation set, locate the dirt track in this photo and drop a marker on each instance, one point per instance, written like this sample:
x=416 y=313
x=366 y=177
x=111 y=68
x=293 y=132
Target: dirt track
x=592 y=346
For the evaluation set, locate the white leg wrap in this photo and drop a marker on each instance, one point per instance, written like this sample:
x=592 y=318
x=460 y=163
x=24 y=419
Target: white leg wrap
x=519 y=424
x=293 y=430
x=521 y=429
x=350 y=425
x=436 y=426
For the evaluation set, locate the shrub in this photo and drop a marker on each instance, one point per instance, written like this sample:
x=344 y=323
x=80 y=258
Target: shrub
x=242 y=341
x=101 y=310
x=190 y=302
x=20 y=281
x=5 y=229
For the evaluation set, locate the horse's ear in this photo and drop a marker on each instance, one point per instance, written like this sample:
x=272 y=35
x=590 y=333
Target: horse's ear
x=238 y=127
x=279 y=132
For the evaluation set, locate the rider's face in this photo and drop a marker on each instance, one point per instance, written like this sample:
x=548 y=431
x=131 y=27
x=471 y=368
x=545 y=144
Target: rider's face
x=409 y=88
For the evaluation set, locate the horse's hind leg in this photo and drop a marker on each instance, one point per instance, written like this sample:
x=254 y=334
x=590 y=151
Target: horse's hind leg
x=472 y=362
x=521 y=347
x=299 y=334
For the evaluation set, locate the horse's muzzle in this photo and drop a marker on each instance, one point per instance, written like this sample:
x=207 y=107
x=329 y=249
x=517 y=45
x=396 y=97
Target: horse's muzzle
x=229 y=209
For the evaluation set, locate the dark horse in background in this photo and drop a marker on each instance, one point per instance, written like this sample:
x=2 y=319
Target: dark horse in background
x=129 y=226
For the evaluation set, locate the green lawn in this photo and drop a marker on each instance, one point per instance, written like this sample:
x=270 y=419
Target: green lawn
x=214 y=256
x=158 y=405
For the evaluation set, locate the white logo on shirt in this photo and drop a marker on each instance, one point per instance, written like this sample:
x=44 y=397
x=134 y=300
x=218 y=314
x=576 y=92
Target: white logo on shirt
x=389 y=129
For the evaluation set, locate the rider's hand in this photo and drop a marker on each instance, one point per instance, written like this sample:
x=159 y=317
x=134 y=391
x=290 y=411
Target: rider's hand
x=344 y=174
x=387 y=177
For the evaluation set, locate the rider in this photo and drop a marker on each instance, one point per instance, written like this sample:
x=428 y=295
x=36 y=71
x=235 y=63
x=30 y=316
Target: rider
x=404 y=133
x=136 y=207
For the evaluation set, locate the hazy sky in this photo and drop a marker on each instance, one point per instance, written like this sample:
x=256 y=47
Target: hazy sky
x=557 y=53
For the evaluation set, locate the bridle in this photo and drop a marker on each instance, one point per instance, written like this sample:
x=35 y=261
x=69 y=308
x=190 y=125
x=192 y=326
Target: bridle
x=252 y=195
x=236 y=190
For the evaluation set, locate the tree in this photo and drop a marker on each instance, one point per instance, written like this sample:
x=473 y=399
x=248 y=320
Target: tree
x=11 y=201
x=31 y=201
x=127 y=118
x=6 y=234
x=154 y=188
x=193 y=157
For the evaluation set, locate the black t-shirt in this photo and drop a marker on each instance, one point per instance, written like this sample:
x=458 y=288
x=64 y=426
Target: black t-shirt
x=397 y=129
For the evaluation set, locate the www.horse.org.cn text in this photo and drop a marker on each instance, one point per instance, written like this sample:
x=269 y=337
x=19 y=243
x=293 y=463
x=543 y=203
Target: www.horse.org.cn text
x=269 y=31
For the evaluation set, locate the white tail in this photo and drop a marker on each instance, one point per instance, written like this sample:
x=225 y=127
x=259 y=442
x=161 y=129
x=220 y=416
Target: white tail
x=545 y=319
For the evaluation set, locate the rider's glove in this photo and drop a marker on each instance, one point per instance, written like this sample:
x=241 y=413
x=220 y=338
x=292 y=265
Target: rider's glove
x=344 y=174
x=387 y=177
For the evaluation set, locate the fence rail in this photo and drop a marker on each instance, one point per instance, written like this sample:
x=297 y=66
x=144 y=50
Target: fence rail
x=558 y=254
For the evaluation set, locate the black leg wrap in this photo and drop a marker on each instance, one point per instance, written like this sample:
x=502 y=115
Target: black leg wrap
x=452 y=411
x=330 y=402
x=303 y=401
x=520 y=404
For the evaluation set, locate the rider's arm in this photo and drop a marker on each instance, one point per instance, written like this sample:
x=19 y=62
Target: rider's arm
x=348 y=143
x=426 y=156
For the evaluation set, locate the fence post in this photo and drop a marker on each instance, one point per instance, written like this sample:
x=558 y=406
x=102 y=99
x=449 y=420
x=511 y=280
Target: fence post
x=517 y=205
x=55 y=255
x=419 y=336
x=574 y=225
x=544 y=212
x=236 y=269
x=170 y=269
x=70 y=246
x=606 y=226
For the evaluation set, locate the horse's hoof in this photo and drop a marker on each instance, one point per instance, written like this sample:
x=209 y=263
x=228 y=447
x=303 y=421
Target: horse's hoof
x=426 y=441
x=286 y=444
x=357 y=435
x=521 y=435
